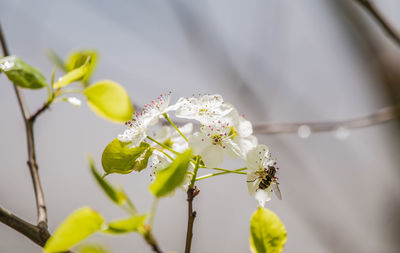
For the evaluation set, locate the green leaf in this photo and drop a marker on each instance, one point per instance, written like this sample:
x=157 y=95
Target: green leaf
x=21 y=73
x=117 y=196
x=91 y=248
x=104 y=184
x=173 y=176
x=75 y=228
x=131 y=224
x=78 y=58
x=267 y=232
x=118 y=157
x=109 y=100
x=73 y=75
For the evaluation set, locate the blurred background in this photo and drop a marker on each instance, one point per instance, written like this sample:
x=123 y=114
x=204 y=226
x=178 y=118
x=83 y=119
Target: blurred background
x=276 y=61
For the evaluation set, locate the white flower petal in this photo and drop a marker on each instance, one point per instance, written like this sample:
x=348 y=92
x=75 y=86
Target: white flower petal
x=232 y=149
x=187 y=108
x=206 y=109
x=252 y=183
x=245 y=144
x=242 y=126
x=126 y=136
x=138 y=138
x=186 y=129
x=262 y=196
x=163 y=134
x=254 y=157
x=150 y=117
x=198 y=143
x=74 y=101
x=213 y=156
x=159 y=161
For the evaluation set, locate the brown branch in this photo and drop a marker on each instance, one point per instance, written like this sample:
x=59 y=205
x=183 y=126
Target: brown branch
x=35 y=233
x=191 y=194
x=381 y=116
x=45 y=106
x=33 y=167
x=382 y=21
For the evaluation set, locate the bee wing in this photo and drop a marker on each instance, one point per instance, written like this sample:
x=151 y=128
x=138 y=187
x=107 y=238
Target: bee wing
x=253 y=185
x=252 y=177
x=276 y=190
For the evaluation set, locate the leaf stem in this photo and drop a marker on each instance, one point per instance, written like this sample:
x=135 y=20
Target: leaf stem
x=162 y=145
x=68 y=91
x=153 y=212
x=173 y=124
x=238 y=171
x=195 y=170
x=165 y=153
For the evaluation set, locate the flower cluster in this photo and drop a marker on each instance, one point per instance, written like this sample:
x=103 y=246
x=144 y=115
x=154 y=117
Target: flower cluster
x=221 y=131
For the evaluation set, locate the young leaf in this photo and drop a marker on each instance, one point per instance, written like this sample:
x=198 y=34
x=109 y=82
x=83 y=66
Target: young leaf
x=109 y=100
x=117 y=196
x=173 y=176
x=77 y=58
x=118 y=157
x=91 y=248
x=267 y=232
x=21 y=73
x=104 y=184
x=75 y=228
x=73 y=75
x=132 y=224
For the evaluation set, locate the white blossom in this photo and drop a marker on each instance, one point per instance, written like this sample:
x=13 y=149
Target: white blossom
x=205 y=109
x=153 y=111
x=258 y=163
x=241 y=132
x=136 y=131
x=212 y=142
x=171 y=138
x=159 y=162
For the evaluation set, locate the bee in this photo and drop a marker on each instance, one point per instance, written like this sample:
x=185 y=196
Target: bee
x=266 y=178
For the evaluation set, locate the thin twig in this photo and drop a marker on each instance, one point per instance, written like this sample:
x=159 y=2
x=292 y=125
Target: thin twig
x=45 y=106
x=191 y=194
x=382 y=21
x=381 y=116
x=33 y=167
x=149 y=237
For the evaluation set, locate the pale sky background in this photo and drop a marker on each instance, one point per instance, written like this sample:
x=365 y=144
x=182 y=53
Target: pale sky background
x=274 y=60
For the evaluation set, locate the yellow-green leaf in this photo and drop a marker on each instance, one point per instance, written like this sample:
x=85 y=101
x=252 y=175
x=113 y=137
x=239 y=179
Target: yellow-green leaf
x=111 y=192
x=127 y=225
x=21 y=73
x=267 y=232
x=91 y=248
x=77 y=58
x=173 y=176
x=109 y=100
x=73 y=75
x=118 y=157
x=117 y=196
x=75 y=228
